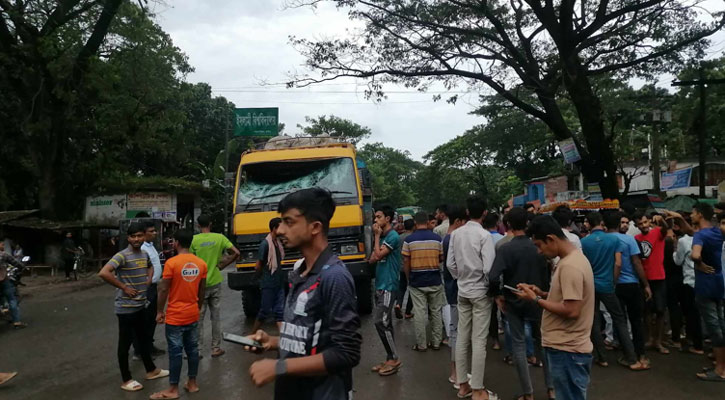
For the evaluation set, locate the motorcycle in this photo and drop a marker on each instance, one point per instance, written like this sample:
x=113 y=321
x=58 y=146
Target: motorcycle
x=79 y=266
x=15 y=274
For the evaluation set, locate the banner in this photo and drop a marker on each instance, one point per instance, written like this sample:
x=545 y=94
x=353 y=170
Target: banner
x=569 y=150
x=256 y=121
x=676 y=180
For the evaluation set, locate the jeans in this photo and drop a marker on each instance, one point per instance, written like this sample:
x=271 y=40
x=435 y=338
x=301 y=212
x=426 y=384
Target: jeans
x=453 y=331
x=152 y=296
x=620 y=327
x=212 y=300
x=474 y=316
x=130 y=325
x=632 y=301
x=428 y=301
x=382 y=315
x=712 y=312
x=516 y=323
x=180 y=338
x=507 y=338
x=272 y=304
x=693 y=326
x=569 y=373
x=7 y=290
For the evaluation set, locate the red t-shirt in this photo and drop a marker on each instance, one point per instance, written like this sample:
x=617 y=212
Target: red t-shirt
x=185 y=272
x=653 y=253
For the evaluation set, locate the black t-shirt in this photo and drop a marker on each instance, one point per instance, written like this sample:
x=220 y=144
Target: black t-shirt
x=519 y=262
x=268 y=279
x=68 y=247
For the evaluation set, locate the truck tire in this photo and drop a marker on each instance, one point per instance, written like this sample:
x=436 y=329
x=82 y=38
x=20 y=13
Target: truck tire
x=364 y=289
x=251 y=299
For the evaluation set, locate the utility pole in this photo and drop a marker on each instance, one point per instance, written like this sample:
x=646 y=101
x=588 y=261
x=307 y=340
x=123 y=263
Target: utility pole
x=702 y=122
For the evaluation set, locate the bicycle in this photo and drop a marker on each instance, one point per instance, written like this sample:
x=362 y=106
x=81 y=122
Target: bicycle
x=79 y=264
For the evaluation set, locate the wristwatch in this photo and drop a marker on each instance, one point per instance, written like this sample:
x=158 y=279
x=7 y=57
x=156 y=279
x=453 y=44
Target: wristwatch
x=280 y=368
x=536 y=300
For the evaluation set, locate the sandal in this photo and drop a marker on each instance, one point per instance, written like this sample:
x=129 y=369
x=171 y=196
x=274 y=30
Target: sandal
x=162 y=396
x=186 y=387
x=492 y=395
x=132 y=386
x=602 y=364
x=663 y=350
x=420 y=349
x=508 y=360
x=390 y=369
x=377 y=367
x=465 y=396
x=637 y=366
x=19 y=325
x=163 y=373
x=8 y=376
x=710 y=376
x=217 y=352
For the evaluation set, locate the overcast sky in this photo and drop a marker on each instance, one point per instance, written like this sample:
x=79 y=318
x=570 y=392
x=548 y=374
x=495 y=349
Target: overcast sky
x=234 y=45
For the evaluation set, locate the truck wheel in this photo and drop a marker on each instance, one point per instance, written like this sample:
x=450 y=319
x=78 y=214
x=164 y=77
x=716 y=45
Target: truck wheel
x=251 y=299
x=364 y=289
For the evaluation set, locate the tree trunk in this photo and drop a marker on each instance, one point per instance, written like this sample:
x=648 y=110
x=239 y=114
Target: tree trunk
x=47 y=194
x=602 y=167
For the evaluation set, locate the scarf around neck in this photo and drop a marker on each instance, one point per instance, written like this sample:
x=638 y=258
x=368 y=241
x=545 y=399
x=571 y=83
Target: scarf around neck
x=272 y=261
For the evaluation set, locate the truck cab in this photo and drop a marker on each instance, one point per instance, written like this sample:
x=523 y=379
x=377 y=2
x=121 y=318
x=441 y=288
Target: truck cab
x=266 y=175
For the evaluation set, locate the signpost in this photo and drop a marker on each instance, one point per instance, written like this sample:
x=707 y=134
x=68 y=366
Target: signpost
x=677 y=179
x=256 y=121
x=569 y=150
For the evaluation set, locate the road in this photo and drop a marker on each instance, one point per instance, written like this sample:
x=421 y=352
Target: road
x=68 y=353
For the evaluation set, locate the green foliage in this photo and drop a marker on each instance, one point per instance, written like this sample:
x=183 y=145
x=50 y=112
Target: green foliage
x=393 y=174
x=335 y=127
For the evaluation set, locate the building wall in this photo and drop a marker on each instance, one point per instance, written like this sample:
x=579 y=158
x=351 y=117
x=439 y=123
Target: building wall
x=645 y=182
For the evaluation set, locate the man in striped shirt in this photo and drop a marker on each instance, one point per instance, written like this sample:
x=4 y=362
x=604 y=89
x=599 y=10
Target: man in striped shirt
x=130 y=271
x=422 y=254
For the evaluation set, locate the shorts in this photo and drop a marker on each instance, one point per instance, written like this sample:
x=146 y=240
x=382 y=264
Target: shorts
x=272 y=304
x=658 y=303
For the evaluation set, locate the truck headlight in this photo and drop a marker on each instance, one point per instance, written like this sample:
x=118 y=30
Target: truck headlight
x=348 y=248
x=249 y=256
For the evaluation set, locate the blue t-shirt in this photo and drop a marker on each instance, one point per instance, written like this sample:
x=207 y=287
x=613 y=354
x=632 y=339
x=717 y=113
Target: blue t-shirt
x=599 y=247
x=495 y=236
x=710 y=286
x=387 y=275
x=629 y=248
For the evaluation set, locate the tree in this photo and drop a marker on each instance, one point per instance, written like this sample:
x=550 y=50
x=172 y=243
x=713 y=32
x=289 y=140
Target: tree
x=520 y=49
x=468 y=156
x=47 y=50
x=393 y=174
x=335 y=127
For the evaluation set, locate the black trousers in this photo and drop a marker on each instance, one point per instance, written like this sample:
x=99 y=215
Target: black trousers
x=130 y=326
x=674 y=287
x=68 y=266
x=152 y=296
x=693 y=326
x=493 y=326
x=402 y=287
x=632 y=301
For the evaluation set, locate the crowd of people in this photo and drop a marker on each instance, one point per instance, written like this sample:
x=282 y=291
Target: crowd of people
x=562 y=292
x=565 y=292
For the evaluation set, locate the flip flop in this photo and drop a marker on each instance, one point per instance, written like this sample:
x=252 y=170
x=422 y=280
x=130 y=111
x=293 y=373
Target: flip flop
x=710 y=376
x=163 y=373
x=492 y=395
x=377 y=367
x=9 y=376
x=420 y=349
x=186 y=387
x=663 y=350
x=465 y=396
x=388 y=369
x=132 y=386
x=217 y=353
x=638 y=366
x=162 y=396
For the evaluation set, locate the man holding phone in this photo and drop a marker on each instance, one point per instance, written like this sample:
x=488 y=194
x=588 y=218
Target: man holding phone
x=320 y=339
x=518 y=262
x=183 y=283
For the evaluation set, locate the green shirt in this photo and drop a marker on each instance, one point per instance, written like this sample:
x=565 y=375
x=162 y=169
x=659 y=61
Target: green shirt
x=387 y=276
x=210 y=247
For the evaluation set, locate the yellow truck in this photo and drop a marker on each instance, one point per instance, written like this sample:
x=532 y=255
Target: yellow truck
x=283 y=166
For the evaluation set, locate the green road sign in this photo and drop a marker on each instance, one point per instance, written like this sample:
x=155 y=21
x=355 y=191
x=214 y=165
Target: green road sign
x=256 y=121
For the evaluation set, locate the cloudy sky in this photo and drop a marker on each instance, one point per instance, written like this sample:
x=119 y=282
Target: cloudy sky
x=235 y=45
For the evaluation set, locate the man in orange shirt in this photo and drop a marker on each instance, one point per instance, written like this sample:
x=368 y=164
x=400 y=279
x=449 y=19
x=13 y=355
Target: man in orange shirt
x=184 y=280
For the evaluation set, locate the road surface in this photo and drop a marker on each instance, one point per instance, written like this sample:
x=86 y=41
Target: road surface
x=69 y=353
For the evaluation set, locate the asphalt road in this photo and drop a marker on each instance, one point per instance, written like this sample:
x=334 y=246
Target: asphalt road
x=68 y=353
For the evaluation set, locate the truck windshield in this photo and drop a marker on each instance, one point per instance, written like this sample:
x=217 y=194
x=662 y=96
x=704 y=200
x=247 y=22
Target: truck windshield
x=268 y=182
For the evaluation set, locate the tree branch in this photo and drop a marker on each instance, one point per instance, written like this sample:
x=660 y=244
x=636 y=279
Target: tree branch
x=100 y=29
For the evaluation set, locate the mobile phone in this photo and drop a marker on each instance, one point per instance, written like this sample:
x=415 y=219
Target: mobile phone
x=513 y=289
x=244 y=341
